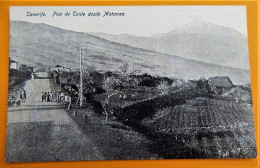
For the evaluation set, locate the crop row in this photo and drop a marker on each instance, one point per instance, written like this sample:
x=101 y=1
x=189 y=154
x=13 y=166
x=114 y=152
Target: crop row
x=213 y=113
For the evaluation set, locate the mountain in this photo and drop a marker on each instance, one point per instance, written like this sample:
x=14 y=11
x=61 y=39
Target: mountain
x=203 y=27
x=32 y=43
x=197 y=40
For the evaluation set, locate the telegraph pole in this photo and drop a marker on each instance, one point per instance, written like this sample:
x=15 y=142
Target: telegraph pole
x=81 y=79
x=54 y=72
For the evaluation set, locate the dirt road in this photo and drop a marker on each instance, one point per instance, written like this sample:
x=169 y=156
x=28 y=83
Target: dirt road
x=42 y=131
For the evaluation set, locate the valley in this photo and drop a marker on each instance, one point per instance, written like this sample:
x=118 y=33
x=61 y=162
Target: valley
x=182 y=94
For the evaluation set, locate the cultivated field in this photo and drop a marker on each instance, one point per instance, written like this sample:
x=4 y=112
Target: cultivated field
x=180 y=119
x=204 y=128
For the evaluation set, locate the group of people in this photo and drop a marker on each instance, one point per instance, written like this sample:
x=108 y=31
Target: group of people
x=18 y=97
x=47 y=96
x=58 y=96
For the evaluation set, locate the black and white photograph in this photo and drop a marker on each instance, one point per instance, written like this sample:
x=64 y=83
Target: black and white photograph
x=129 y=83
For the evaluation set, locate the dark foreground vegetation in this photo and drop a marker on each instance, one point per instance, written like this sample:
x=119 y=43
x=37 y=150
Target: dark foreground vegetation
x=17 y=77
x=205 y=118
x=17 y=80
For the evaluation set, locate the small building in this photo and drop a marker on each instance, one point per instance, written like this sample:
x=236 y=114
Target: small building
x=18 y=66
x=60 y=68
x=13 y=64
x=220 y=84
x=220 y=81
x=24 y=67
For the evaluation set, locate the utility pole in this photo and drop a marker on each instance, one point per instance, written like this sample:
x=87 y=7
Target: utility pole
x=81 y=79
x=54 y=72
x=54 y=86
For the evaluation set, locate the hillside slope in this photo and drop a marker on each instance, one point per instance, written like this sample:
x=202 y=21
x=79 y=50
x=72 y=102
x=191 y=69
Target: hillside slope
x=197 y=40
x=39 y=43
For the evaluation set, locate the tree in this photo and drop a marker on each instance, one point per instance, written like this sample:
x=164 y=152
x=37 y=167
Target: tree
x=126 y=81
x=124 y=68
x=88 y=70
x=163 y=87
x=109 y=85
x=88 y=79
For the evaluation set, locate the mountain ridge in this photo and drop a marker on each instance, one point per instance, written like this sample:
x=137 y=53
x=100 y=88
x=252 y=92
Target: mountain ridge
x=200 y=24
x=49 y=45
x=106 y=39
x=198 y=40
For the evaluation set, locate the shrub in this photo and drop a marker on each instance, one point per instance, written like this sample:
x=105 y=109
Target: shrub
x=163 y=87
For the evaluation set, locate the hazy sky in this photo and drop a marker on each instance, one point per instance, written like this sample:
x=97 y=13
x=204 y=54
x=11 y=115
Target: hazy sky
x=138 y=20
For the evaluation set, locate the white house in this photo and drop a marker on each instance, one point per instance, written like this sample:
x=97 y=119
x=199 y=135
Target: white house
x=13 y=64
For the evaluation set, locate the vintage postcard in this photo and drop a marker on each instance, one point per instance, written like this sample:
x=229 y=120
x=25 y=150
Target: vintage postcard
x=129 y=82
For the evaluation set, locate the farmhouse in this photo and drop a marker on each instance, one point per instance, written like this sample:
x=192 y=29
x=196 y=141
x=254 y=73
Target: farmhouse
x=220 y=84
x=13 y=64
x=220 y=81
x=18 y=66
x=59 y=68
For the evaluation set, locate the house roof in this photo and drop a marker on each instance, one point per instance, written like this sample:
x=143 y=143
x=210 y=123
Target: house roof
x=12 y=61
x=58 y=66
x=222 y=81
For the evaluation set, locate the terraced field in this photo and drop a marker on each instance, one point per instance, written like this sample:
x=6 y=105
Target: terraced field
x=204 y=128
x=202 y=112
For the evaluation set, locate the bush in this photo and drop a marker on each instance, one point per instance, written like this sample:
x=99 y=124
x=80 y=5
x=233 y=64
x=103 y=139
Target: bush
x=17 y=77
x=163 y=87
